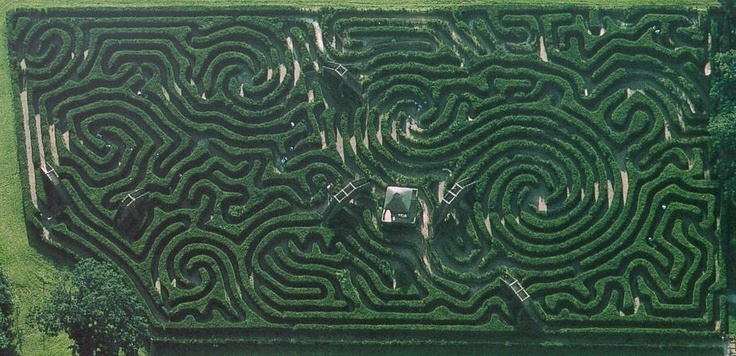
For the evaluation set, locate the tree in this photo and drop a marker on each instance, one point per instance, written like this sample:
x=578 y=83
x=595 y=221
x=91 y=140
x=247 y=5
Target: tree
x=7 y=317
x=722 y=125
x=98 y=311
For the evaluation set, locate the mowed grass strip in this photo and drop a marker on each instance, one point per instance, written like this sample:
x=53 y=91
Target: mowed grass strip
x=28 y=270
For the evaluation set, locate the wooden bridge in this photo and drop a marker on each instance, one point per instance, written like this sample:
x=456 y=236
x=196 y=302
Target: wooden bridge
x=515 y=286
x=348 y=192
x=449 y=198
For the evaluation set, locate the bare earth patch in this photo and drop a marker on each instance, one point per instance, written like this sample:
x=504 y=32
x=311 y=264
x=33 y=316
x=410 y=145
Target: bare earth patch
x=39 y=137
x=354 y=144
x=440 y=190
x=282 y=73
x=340 y=149
x=379 y=135
x=65 y=137
x=541 y=205
x=52 y=141
x=596 y=192
x=318 y=34
x=29 y=151
x=425 y=224
x=542 y=50
x=487 y=222
x=297 y=71
x=625 y=184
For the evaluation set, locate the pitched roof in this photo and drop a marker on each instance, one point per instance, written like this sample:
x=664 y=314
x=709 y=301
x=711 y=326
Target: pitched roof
x=400 y=205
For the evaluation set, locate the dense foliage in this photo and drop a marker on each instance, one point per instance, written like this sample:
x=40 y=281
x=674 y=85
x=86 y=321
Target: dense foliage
x=98 y=311
x=8 y=331
x=200 y=152
x=722 y=124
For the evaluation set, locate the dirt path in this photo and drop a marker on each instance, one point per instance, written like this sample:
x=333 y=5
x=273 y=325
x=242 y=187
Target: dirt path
x=168 y=97
x=425 y=224
x=379 y=136
x=542 y=49
x=541 y=205
x=23 y=64
x=680 y=120
x=297 y=67
x=310 y=95
x=609 y=188
x=29 y=151
x=297 y=71
x=340 y=148
x=706 y=70
x=625 y=184
x=426 y=263
x=65 y=137
x=667 y=133
x=690 y=104
x=39 y=137
x=354 y=144
x=318 y=34
x=52 y=141
x=282 y=73
x=324 y=139
x=487 y=222
x=630 y=92
x=440 y=190
x=596 y=193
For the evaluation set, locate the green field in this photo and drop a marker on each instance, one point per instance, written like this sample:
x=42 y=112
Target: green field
x=27 y=268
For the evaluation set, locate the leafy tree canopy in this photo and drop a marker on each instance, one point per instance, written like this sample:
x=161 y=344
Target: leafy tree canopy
x=722 y=125
x=7 y=314
x=98 y=311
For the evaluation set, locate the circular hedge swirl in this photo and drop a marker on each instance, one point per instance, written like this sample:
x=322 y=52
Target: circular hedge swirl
x=197 y=150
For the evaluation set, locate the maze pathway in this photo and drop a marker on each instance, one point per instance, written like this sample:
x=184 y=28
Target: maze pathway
x=198 y=150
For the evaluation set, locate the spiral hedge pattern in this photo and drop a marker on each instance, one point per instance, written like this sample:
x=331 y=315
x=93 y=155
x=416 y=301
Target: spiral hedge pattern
x=197 y=151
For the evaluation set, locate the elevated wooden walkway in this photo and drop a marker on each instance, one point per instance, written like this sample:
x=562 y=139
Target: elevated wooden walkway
x=515 y=286
x=348 y=192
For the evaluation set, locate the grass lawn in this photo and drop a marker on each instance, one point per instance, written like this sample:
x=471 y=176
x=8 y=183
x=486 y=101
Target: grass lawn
x=25 y=266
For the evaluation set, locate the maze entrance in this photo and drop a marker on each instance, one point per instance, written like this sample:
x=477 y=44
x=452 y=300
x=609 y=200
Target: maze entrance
x=213 y=157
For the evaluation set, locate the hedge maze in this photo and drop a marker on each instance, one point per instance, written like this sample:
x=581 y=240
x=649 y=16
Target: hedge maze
x=234 y=162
